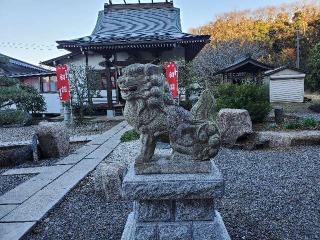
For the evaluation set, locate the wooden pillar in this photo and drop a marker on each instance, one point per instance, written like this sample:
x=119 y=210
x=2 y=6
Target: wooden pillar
x=88 y=85
x=109 y=83
x=116 y=78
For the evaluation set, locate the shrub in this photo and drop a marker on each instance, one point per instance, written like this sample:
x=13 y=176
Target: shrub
x=8 y=117
x=310 y=122
x=252 y=97
x=24 y=97
x=313 y=79
x=32 y=100
x=129 y=136
x=293 y=125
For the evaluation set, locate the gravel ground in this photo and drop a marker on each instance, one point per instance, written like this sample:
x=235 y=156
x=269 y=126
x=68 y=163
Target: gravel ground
x=10 y=134
x=269 y=195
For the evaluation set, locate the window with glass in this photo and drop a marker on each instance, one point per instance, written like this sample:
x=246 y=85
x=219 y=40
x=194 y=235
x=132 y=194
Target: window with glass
x=48 y=84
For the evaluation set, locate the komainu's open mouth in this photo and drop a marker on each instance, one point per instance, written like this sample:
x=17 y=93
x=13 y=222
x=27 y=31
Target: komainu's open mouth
x=129 y=89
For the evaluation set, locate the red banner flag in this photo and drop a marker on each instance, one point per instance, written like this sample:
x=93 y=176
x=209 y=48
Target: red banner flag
x=63 y=83
x=172 y=77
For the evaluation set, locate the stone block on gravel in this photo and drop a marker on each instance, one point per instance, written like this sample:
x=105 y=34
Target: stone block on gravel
x=215 y=230
x=54 y=139
x=146 y=232
x=174 y=231
x=233 y=124
x=197 y=209
x=154 y=210
x=108 y=179
x=173 y=186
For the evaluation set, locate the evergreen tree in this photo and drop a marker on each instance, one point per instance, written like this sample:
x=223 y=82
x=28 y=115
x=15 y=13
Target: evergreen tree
x=23 y=97
x=313 y=78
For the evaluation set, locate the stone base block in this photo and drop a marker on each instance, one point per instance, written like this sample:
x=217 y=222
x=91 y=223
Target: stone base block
x=173 y=186
x=189 y=230
x=169 y=166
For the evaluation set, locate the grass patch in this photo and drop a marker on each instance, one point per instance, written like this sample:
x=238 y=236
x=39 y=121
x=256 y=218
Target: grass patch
x=129 y=136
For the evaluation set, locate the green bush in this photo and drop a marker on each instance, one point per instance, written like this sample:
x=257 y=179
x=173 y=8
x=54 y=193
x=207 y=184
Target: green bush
x=8 y=117
x=249 y=96
x=32 y=101
x=293 y=125
x=310 y=122
x=313 y=76
x=24 y=97
x=129 y=136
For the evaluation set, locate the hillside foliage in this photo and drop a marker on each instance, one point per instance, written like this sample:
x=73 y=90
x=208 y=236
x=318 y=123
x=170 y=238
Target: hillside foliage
x=313 y=78
x=268 y=34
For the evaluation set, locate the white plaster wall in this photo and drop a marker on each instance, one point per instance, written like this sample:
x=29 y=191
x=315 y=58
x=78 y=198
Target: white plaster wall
x=95 y=60
x=122 y=56
x=53 y=102
x=174 y=54
x=80 y=60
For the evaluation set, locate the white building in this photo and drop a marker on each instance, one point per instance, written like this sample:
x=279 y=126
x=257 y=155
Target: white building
x=286 y=84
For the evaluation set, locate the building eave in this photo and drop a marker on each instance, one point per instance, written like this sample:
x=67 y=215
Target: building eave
x=233 y=67
x=132 y=44
x=279 y=69
x=18 y=75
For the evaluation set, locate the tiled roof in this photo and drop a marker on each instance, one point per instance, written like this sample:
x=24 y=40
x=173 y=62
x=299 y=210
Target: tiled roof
x=245 y=64
x=12 y=67
x=136 y=25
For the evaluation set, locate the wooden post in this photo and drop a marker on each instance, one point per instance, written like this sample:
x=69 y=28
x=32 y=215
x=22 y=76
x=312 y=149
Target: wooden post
x=278 y=115
x=88 y=84
x=109 y=84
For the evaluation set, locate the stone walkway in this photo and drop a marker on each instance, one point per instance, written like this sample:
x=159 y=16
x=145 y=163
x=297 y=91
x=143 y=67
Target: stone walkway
x=73 y=139
x=22 y=207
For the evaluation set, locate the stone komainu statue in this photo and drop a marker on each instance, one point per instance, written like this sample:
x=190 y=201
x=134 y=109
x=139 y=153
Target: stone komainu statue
x=151 y=110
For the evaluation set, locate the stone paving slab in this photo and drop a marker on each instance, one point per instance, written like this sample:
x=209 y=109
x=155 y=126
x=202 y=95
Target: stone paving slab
x=25 y=190
x=78 y=155
x=14 y=231
x=72 y=159
x=34 y=170
x=103 y=150
x=5 y=209
x=108 y=134
x=106 y=148
x=88 y=151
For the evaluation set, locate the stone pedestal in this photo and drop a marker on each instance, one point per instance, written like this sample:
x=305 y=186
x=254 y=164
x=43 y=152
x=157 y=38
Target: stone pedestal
x=174 y=206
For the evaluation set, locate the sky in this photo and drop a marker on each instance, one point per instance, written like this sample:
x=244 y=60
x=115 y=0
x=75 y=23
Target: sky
x=29 y=28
